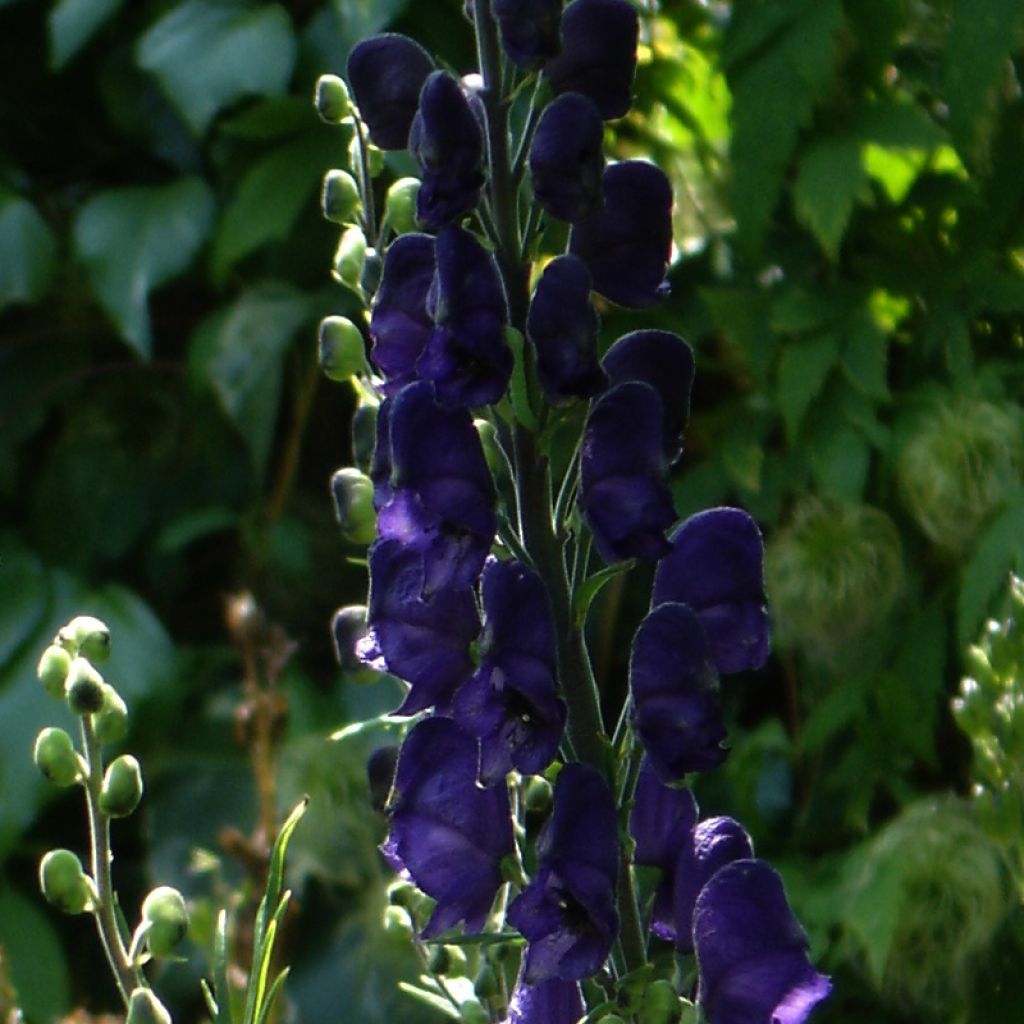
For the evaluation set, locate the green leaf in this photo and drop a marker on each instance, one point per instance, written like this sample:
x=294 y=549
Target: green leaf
x=742 y=315
x=519 y=387
x=370 y=725
x=865 y=355
x=803 y=367
x=207 y=54
x=843 y=704
x=431 y=999
x=239 y=351
x=133 y=240
x=358 y=19
x=28 y=252
x=24 y=597
x=831 y=180
x=592 y=586
x=72 y=23
x=840 y=461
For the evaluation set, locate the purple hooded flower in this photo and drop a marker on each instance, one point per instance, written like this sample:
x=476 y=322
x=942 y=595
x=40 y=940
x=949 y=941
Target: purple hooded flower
x=623 y=491
x=598 y=56
x=567 y=912
x=627 y=243
x=716 y=567
x=528 y=29
x=447 y=142
x=442 y=492
x=423 y=640
x=663 y=360
x=567 y=159
x=751 y=951
x=551 y=1002
x=447 y=834
x=386 y=73
x=466 y=356
x=563 y=324
x=399 y=324
x=511 y=703
x=674 y=691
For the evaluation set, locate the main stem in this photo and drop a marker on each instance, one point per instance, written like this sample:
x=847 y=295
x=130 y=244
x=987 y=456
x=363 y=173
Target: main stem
x=537 y=530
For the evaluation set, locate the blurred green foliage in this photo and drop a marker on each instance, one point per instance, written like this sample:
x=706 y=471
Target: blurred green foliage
x=850 y=224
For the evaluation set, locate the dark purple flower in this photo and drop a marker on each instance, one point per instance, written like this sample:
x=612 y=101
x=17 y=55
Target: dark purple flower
x=447 y=142
x=567 y=912
x=663 y=360
x=466 y=356
x=716 y=567
x=399 y=324
x=567 y=159
x=528 y=29
x=511 y=703
x=421 y=639
x=598 y=55
x=442 y=491
x=627 y=243
x=751 y=951
x=551 y=1002
x=563 y=324
x=447 y=834
x=674 y=691
x=622 y=474
x=386 y=73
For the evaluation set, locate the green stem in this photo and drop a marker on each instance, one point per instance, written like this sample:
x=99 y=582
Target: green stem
x=366 y=187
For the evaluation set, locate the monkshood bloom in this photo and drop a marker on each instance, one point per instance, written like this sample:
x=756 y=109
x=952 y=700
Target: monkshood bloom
x=399 y=323
x=716 y=567
x=563 y=324
x=567 y=912
x=447 y=142
x=387 y=73
x=598 y=56
x=663 y=360
x=442 y=491
x=567 y=159
x=551 y=1002
x=627 y=243
x=622 y=474
x=423 y=640
x=528 y=29
x=466 y=356
x=447 y=834
x=674 y=692
x=751 y=952
x=511 y=703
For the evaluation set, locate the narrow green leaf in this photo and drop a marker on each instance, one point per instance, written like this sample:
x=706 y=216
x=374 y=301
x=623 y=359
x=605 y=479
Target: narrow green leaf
x=803 y=367
x=358 y=728
x=72 y=23
x=221 y=986
x=271 y=997
x=481 y=939
x=275 y=872
x=591 y=587
x=211 y=1003
x=28 y=252
x=519 y=388
x=431 y=999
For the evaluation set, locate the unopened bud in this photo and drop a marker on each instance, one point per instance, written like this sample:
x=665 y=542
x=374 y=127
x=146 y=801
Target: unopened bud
x=111 y=722
x=350 y=256
x=439 y=961
x=353 y=505
x=84 y=688
x=485 y=984
x=87 y=637
x=331 y=99
x=401 y=893
x=661 y=1004
x=400 y=205
x=53 y=669
x=55 y=757
x=166 y=915
x=64 y=883
x=374 y=156
x=538 y=795
x=122 y=787
x=339 y=197
x=348 y=627
x=145 y=1008
x=397 y=922
x=342 y=349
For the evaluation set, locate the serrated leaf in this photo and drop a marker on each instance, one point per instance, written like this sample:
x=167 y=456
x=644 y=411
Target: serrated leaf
x=803 y=367
x=133 y=240
x=28 y=252
x=831 y=180
x=865 y=355
x=207 y=54
x=72 y=23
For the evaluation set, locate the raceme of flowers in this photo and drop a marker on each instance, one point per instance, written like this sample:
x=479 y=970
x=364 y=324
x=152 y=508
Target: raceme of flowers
x=475 y=571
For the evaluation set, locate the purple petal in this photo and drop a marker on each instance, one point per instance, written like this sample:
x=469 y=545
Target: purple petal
x=517 y=613
x=551 y=1002
x=528 y=29
x=661 y=819
x=716 y=567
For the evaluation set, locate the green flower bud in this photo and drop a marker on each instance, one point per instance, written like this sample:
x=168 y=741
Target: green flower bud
x=331 y=99
x=350 y=256
x=342 y=349
x=64 y=883
x=353 y=505
x=339 y=197
x=145 y=1008
x=400 y=205
x=374 y=156
x=397 y=923
x=84 y=688
x=87 y=637
x=472 y=1012
x=53 y=669
x=111 y=722
x=401 y=893
x=538 y=795
x=56 y=758
x=485 y=984
x=122 y=787
x=661 y=1004
x=165 y=914
x=439 y=961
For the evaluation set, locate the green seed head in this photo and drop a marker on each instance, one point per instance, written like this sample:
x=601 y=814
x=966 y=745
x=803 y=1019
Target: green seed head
x=342 y=349
x=400 y=205
x=331 y=99
x=145 y=1008
x=53 y=669
x=86 y=636
x=64 y=883
x=111 y=721
x=165 y=912
x=55 y=756
x=122 y=787
x=339 y=197
x=84 y=688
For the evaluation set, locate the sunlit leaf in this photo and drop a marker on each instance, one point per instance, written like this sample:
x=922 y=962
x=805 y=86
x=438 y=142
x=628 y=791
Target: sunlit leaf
x=803 y=367
x=72 y=23
x=831 y=180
